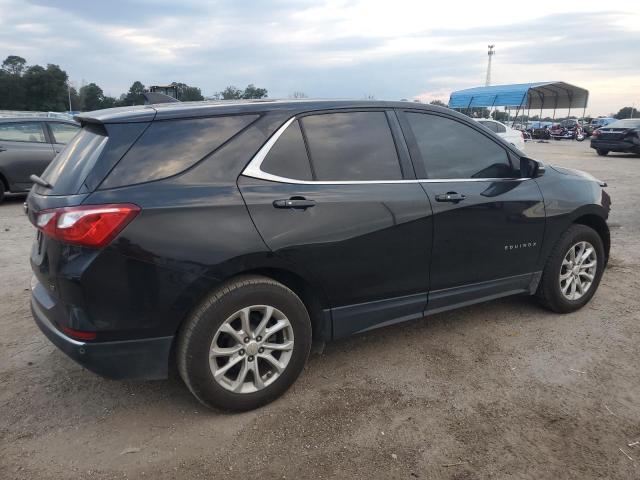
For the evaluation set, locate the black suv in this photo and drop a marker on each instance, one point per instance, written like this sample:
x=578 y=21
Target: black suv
x=225 y=237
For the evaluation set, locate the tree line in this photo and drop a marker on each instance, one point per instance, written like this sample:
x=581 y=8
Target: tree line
x=37 y=88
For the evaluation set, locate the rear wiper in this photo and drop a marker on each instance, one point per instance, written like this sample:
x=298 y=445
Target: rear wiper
x=40 y=181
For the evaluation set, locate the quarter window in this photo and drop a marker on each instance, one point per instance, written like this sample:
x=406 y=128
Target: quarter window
x=169 y=147
x=22 y=132
x=451 y=149
x=63 y=132
x=288 y=157
x=351 y=146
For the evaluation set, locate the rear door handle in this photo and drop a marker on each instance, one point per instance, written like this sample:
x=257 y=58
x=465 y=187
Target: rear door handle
x=294 y=202
x=453 y=197
x=2 y=149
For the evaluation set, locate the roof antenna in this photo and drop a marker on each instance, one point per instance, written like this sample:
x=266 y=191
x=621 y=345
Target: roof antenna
x=490 y=53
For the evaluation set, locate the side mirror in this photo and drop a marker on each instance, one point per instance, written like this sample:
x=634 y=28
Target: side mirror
x=530 y=168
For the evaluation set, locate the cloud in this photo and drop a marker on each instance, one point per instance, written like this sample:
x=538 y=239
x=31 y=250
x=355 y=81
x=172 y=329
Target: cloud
x=332 y=48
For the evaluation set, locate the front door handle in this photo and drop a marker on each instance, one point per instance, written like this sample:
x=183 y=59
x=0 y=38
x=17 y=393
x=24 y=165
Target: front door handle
x=453 y=197
x=294 y=202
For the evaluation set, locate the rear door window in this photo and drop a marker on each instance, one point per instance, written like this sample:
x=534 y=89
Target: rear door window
x=288 y=157
x=169 y=147
x=351 y=146
x=22 y=132
x=63 y=132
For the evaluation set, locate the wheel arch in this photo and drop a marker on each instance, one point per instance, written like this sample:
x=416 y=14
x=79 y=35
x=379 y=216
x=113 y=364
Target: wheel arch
x=5 y=181
x=311 y=295
x=599 y=224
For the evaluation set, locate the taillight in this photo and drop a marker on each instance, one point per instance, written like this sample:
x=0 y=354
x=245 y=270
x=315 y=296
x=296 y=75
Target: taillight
x=595 y=133
x=78 y=334
x=88 y=225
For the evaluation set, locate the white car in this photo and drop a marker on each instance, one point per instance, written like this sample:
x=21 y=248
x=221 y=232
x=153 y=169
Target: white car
x=511 y=135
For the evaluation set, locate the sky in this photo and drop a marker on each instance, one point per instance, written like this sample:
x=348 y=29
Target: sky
x=335 y=48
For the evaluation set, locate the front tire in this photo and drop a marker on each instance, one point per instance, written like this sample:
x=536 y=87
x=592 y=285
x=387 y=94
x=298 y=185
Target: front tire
x=602 y=152
x=245 y=344
x=573 y=270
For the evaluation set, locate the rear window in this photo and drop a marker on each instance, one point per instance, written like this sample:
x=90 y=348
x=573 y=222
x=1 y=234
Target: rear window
x=76 y=160
x=63 y=132
x=169 y=147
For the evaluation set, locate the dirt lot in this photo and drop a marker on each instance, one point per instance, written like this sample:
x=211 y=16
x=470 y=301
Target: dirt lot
x=498 y=390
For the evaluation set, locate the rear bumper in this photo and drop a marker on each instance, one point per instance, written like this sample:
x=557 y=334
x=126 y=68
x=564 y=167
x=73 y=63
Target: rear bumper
x=615 y=145
x=142 y=359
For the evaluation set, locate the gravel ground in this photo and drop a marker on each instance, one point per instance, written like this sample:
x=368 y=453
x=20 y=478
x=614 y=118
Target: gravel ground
x=498 y=390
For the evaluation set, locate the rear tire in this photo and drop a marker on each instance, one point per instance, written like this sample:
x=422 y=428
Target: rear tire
x=602 y=152
x=1 y=191
x=556 y=291
x=263 y=364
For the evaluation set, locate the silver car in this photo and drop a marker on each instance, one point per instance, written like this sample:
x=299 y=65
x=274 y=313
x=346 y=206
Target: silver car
x=27 y=145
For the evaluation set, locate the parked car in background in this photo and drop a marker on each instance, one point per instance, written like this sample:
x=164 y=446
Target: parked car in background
x=511 y=135
x=27 y=146
x=619 y=136
x=226 y=237
x=539 y=130
x=566 y=129
x=596 y=123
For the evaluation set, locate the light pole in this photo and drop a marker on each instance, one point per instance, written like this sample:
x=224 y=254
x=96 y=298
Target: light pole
x=490 y=53
x=69 y=94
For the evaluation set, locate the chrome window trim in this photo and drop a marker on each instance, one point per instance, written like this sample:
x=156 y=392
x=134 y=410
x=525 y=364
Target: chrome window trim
x=254 y=170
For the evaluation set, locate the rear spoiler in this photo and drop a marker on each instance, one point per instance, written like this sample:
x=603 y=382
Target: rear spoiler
x=155 y=97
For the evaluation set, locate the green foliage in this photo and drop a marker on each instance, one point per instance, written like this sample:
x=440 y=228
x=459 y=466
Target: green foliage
x=133 y=96
x=34 y=87
x=229 y=93
x=254 y=92
x=499 y=116
x=91 y=97
x=627 y=112
x=187 y=93
x=438 y=103
x=234 y=93
x=14 y=65
x=45 y=88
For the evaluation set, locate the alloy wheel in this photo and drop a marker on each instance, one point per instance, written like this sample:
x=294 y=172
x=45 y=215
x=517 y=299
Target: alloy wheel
x=578 y=270
x=251 y=349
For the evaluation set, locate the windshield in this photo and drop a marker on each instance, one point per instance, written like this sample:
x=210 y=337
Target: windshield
x=72 y=165
x=626 y=123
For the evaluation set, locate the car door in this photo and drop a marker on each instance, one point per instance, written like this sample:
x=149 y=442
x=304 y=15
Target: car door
x=334 y=196
x=61 y=133
x=24 y=150
x=488 y=221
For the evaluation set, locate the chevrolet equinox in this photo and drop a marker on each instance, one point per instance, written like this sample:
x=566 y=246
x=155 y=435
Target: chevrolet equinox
x=224 y=238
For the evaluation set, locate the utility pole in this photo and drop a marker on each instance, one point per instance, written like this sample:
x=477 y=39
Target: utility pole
x=69 y=93
x=490 y=53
